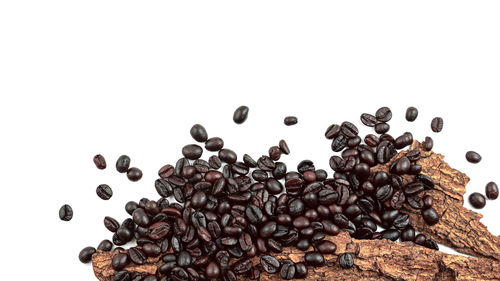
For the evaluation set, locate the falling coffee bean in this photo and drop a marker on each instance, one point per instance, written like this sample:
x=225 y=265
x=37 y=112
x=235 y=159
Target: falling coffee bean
x=85 y=255
x=437 y=124
x=240 y=114
x=66 y=213
x=100 y=162
x=123 y=163
x=104 y=192
x=134 y=174
x=290 y=120
x=477 y=200
x=492 y=191
x=383 y=114
x=473 y=157
x=346 y=260
x=198 y=133
x=411 y=114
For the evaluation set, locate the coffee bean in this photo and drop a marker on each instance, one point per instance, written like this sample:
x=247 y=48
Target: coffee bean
x=212 y=270
x=428 y=201
x=382 y=128
x=274 y=153
x=408 y=234
x=492 y=191
x=270 y=264
x=437 y=124
x=198 y=133
x=346 y=260
x=327 y=247
x=111 y=224
x=430 y=216
x=383 y=114
x=104 y=192
x=134 y=174
x=401 y=166
x=411 y=114
x=368 y=120
x=477 y=200
x=192 y=151
x=105 y=246
x=428 y=144
x=184 y=259
x=228 y=156
x=120 y=261
x=137 y=256
x=314 y=259
x=287 y=271
x=240 y=114
x=349 y=129
x=332 y=131
x=290 y=120
x=86 y=253
x=66 y=213
x=214 y=144
x=100 y=162
x=122 y=164
x=473 y=157
x=122 y=276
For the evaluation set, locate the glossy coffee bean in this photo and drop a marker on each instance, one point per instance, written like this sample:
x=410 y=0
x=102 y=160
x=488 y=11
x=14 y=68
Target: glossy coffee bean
x=290 y=120
x=382 y=128
x=65 y=213
x=85 y=255
x=408 y=234
x=326 y=247
x=284 y=147
x=192 y=151
x=477 y=200
x=437 y=124
x=122 y=276
x=212 y=270
x=428 y=201
x=430 y=216
x=100 y=162
x=428 y=144
x=346 y=260
x=287 y=271
x=111 y=224
x=104 y=192
x=123 y=163
x=368 y=119
x=314 y=259
x=473 y=157
x=105 y=246
x=270 y=264
x=214 y=144
x=134 y=174
x=383 y=114
x=411 y=114
x=492 y=191
x=199 y=133
x=240 y=114
x=120 y=261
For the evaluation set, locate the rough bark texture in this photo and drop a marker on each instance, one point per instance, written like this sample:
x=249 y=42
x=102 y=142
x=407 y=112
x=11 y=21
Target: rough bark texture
x=458 y=228
x=375 y=260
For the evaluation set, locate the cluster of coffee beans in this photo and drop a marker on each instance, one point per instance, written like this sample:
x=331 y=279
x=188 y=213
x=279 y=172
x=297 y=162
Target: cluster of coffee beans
x=476 y=199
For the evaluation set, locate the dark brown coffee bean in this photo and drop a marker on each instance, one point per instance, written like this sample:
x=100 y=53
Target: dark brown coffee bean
x=382 y=128
x=120 y=261
x=473 y=157
x=327 y=247
x=368 y=119
x=85 y=255
x=212 y=270
x=411 y=114
x=346 y=260
x=274 y=153
x=166 y=171
x=111 y=224
x=227 y=156
x=287 y=271
x=134 y=174
x=430 y=216
x=105 y=246
x=428 y=201
x=415 y=202
x=349 y=129
x=192 y=151
x=198 y=133
x=383 y=114
x=100 y=162
x=240 y=114
x=270 y=264
x=66 y=213
x=290 y=120
x=137 y=256
x=437 y=124
x=104 y=192
x=214 y=144
x=122 y=164
x=428 y=144
x=477 y=200
x=492 y=191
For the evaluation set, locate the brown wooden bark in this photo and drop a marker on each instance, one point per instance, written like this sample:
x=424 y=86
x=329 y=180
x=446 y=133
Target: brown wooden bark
x=458 y=228
x=375 y=260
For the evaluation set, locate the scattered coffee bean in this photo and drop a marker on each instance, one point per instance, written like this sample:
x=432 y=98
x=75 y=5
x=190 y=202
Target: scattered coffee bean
x=85 y=255
x=284 y=147
x=346 y=260
x=477 y=200
x=430 y=216
x=314 y=259
x=240 y=114
x=66 y=213
x=198 y=133
x=122 y=164
x=368 y=120
x=100 y=162
x=134 y=174
x=120 y=261
x=270 y=264
x=214 y=144
x=473 y=157
x=437 y=124
x=105 y=246
x=428 y=144
x=492 y=191
x=411 y=114
x=104 y=192
x=383 y=114
x=290 y=120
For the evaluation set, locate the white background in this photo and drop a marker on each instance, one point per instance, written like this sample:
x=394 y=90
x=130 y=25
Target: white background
x=130 y=77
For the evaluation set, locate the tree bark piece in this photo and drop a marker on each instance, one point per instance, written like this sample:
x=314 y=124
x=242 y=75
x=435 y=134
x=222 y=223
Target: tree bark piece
x=458 y=227
x=374 y=260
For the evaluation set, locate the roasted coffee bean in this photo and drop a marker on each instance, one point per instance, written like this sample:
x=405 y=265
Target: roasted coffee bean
x=192 y=151
x=140 y=217
x=473 y=157
x=134 y=174
x=212 y=270
x=332 y=131
x=86 y=253
x=368 y=119
x=122 y=276
x=411 y=114
x=274 y=153
x=290 y=120
x=166 y=171
x=274 y=186
x=227 y=156
x=179 y=274
x=477 y=200
x=415 y=202
x=339 y=143
x=382 y=128
x=66 y=213
x=104 y=192
x=428 y=201
x=287 y=271
x=242 y=266
x=184 y=259
x=428 y=144
x=383 y=114
x=314 y=259
x=111 y=224
x=426 y=181
x=401 y=166
x=120 y=261
x=390 y=234
x=137 y=256
x=326 y=247
x=430 y=216
x=346 y=260
x=100 y=162
x=254 y=214
x=437 y=124
x=123 y=163
x=383 y=193
x=105 y=246
x=214 y=144
x=270 y=264
x=492 y=191
x=198 y=133
x=408 y=234
x=240 y=114
x=413 y=188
